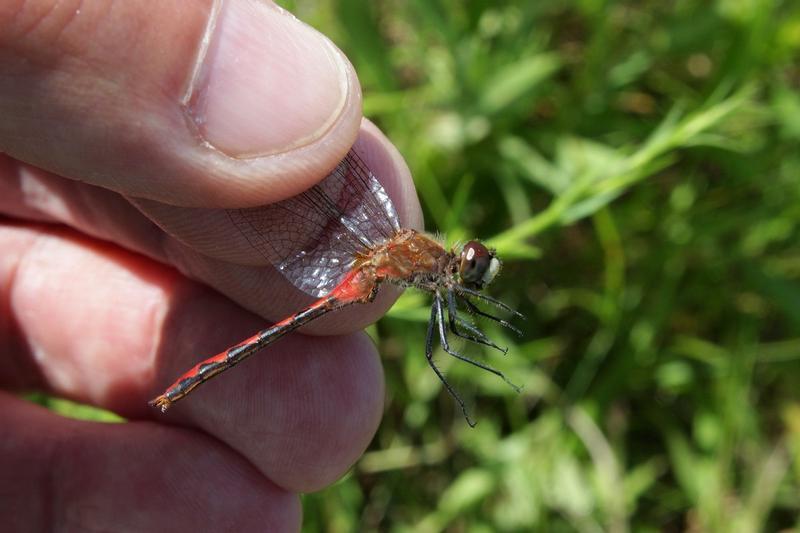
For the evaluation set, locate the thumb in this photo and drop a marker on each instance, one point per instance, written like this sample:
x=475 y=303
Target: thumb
x=197 y=104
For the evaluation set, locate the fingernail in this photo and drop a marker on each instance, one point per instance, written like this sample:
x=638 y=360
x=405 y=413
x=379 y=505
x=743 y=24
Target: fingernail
x=267 y=83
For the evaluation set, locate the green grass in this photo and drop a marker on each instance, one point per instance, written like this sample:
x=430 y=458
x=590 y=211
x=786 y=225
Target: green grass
x=637 y=164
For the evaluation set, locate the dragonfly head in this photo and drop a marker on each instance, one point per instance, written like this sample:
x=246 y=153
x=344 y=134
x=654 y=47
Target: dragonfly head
x=478 y=265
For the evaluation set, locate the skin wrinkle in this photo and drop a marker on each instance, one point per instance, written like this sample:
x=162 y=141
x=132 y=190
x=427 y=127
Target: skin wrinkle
x=72 y=16
x=33 y=25
x=53 y=22
x=9 y=17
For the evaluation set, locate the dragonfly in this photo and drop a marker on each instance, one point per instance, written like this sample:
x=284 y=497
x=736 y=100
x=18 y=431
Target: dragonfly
x=339 y=241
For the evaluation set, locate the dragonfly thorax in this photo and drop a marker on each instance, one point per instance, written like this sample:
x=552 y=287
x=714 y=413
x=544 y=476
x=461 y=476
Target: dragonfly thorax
x=409 y=258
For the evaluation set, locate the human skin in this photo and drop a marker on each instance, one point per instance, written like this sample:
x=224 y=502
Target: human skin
x=126 y=128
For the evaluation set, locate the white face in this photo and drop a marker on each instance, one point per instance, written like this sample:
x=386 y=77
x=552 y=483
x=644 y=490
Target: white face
x=491 y=272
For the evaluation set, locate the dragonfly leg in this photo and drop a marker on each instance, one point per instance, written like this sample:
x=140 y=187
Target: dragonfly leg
x=429 y=357
x=474 y=309
x=488 y=299
x=438 y=307
x=474 y=334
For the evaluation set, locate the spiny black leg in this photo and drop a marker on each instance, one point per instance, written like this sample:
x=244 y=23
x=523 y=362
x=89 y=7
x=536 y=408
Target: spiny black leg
x=480 y=296
x=429 y=335
x=478 y=311
x=456 y=320
x=476 y=335
x=437 y=306
x=429 y=357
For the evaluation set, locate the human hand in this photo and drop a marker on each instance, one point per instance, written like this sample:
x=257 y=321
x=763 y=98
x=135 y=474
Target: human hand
x=143 y=151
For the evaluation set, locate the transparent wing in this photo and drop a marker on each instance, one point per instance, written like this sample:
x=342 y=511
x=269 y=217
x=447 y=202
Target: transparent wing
x=313 y=238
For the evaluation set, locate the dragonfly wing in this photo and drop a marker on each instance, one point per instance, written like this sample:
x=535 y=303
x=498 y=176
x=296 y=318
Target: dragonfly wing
x=313 y=238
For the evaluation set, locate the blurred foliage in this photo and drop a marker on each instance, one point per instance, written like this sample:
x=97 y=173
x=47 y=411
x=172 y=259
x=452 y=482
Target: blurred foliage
x=636 y=163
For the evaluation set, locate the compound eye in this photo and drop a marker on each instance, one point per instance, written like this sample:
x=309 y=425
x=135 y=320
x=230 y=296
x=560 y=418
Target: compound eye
x=475 y=260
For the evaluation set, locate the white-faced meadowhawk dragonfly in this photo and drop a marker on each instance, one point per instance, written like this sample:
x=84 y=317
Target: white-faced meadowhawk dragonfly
x=339 y=241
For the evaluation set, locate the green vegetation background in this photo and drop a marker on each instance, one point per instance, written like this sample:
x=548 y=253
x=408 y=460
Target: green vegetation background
x=637 y=165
